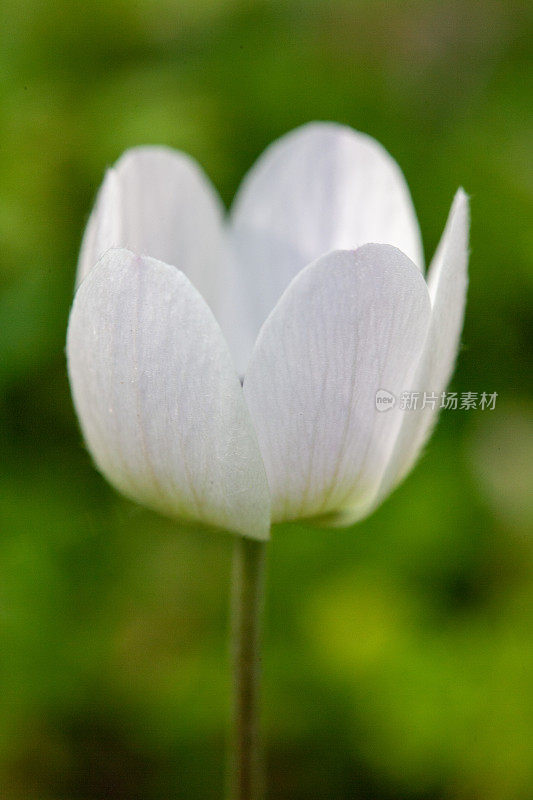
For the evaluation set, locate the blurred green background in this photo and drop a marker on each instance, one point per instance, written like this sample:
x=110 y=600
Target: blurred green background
x=399 y=653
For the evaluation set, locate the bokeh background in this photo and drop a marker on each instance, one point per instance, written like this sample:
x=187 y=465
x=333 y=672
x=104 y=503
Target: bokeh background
x=398 y=654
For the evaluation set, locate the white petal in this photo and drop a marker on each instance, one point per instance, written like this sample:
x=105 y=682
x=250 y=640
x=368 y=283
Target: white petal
x=349 y=324
x=158 y=202
x=447 y=283
x=159 y=402
x=322 y=187
x=103 y=228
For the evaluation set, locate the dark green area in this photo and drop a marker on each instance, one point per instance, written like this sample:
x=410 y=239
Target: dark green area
x=399 y=653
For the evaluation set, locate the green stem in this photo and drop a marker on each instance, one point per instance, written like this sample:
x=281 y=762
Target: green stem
x=246 y=764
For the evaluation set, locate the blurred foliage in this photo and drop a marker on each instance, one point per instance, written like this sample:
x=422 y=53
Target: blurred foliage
x=398 y=654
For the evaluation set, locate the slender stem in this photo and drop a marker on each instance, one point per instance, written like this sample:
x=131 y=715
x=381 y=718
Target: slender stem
x=246 y=762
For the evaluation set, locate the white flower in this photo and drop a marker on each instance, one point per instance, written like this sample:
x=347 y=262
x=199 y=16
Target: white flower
x=313 y=289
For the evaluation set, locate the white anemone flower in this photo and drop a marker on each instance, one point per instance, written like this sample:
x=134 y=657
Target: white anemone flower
x=225 y=369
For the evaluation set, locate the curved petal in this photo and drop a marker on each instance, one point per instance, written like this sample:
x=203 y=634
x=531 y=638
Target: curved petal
x=158 y=399
x=322 y=187
x=157 y=202
x=103 y=229
x=349 y=324
x=447 y=284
